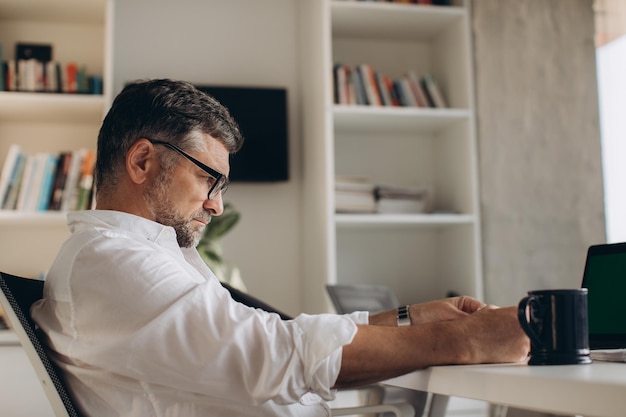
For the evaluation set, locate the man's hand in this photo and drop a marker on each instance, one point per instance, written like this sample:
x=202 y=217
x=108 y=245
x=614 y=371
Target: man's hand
x=446 y=309
x=494 y=335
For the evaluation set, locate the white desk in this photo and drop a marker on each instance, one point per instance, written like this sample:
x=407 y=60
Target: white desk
x=597 y=389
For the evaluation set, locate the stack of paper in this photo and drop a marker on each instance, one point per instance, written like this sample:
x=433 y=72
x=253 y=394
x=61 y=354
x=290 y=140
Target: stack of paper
x=354 y=195
x=394 y=199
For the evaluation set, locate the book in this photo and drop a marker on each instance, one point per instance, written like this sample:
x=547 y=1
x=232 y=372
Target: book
x=389 y=85
x=11 y=75
x=86 y=181
x=354 y=194
x=354 y=183
x=342 y=84
x=336 y=84
x=400 y=206
x=60 y=178
x=49 y=162
x=95 y=84
x=32 y=181
x=400 y=199
x=13 y=186
x=51 y=77
x=359 y=86
x=70 y=192
x=399 y=91
x=407 y=94
x=82 y=81
x=70 y=82
x=4 y=69
x=369 y=82
x=382 y=88
x=2 y=82
x=8 y=169
x=26 y=181
x=428 y=81
x=353 y=202
x=418 y=91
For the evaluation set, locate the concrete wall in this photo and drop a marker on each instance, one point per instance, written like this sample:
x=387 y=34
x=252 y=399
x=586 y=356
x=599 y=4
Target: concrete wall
x=539 y=143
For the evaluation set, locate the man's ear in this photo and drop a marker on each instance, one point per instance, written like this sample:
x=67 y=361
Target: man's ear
x=140 y=160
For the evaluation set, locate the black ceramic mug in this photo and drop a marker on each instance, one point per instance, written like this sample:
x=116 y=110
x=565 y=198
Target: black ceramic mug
x=557 y=326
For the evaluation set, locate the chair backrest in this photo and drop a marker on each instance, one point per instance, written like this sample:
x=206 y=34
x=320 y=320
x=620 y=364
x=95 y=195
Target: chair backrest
x=251 y=301
x=348 y=298
x=17 y=295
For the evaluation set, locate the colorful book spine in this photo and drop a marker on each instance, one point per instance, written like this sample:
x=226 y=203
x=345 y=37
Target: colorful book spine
x=49 y=169
x=45 y=181
x=2 y=70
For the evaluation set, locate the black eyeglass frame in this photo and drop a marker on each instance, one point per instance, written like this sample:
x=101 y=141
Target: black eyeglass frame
x=221 y=181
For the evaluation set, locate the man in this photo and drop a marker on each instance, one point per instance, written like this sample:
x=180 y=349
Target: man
x=140 y=326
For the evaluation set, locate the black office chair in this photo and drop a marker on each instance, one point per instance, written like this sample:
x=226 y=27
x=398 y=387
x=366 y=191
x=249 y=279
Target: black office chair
x=16 y=296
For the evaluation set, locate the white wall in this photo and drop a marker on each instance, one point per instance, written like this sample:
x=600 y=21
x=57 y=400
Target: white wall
x=229 y=42
x=611 y=59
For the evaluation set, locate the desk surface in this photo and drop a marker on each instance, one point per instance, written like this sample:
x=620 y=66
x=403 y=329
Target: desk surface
x=597 y=389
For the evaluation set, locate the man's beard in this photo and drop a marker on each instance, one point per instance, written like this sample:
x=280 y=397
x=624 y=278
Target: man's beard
x=161 y=207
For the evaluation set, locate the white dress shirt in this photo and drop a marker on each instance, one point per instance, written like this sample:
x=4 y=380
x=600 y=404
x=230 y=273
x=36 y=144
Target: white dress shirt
x=141 y=327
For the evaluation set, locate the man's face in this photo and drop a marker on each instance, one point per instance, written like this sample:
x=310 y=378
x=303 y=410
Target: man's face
x=178 y=197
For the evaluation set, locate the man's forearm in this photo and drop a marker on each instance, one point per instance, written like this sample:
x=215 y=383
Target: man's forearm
x=380 y=351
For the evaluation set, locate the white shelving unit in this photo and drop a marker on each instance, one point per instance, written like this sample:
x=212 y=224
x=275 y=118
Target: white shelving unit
x=421 y=256
x=80 y=31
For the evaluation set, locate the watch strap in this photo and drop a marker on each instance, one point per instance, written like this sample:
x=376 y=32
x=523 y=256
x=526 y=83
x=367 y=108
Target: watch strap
x=403 y=316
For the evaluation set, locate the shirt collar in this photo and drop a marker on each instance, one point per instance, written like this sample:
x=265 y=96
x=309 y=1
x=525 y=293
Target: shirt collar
x=129 y=223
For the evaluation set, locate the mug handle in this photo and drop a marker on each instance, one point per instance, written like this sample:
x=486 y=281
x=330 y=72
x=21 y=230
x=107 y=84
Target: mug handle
x=521 y=316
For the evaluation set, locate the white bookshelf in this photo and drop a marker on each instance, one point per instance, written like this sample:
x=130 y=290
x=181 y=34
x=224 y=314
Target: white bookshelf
x=79 y=31
x=421 y=256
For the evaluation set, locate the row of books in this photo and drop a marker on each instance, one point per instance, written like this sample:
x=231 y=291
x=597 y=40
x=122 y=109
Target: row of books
x=42 y=181
x=362 y=85
x=50 y=77
x=360 y=195
x=36 y=75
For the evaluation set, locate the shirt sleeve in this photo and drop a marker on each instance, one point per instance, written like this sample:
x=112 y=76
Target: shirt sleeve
x=320 y=346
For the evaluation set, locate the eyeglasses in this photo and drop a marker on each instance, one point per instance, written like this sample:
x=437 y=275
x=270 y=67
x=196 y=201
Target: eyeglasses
x=217 y=181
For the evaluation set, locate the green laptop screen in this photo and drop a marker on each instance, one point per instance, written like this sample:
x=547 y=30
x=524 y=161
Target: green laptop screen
x=605 y=279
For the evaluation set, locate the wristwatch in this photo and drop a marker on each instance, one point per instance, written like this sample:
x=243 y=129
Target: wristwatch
x=404 y=318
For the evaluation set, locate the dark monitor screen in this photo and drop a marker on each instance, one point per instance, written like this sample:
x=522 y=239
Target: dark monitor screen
x=262 y=117
x=605 y=279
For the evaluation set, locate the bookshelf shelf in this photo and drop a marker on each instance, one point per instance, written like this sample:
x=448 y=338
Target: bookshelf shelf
x=49 y=107
x=370 y=118
x=34 y=218
x=391 y=21
x=420 y=220
x=434 y=148
x=63 y=11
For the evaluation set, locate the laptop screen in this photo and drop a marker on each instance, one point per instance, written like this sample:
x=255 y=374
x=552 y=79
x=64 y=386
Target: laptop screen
x=605 y=279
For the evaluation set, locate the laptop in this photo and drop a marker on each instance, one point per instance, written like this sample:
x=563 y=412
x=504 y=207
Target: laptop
x=605 y=279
